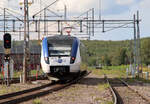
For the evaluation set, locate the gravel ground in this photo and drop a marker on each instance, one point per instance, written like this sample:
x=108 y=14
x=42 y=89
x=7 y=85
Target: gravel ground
x=86 y=91
x=19 y=87
x=128 y=96
x=142 y=88
x=90 y=90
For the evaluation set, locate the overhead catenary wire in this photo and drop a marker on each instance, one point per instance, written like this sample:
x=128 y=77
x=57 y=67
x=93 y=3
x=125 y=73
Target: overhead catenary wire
x=45 y=8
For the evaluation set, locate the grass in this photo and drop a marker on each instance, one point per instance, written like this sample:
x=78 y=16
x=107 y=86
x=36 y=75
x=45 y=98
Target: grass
x=131 y=80
x=107 y=102
x=115 y=71
x=110 y=71
x=103 y=101
x=98 y=99
x=73 y=90
x=145 y=68
x=17 y=73
x=4 y=89
x=37 y=101
x=102 y=87
x=115 y=67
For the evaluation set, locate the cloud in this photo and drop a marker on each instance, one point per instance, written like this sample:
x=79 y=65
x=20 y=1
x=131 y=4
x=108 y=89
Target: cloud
x=145 y=16
x=142 y=6
x=124 y=2
x=80 y=6
x=3 y=3
x=76 y=6
x=112 y=9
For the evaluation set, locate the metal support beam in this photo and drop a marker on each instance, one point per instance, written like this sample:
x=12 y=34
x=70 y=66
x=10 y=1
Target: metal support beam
x=13 y=26
x=74 y=20
x=25 y=35
x=103 y=27
x=39 y=30
x=58 y=26
x=135 y=46
x=87 y=28
x=26 y=58
x=4 y=20
x=93 y=21
x=90 y=29
x=28 y=42
x=20 y=33
x=45 y=22
x=80 y=26
x=65 y=12
x=36 y=29
x=138 y=44
x=100 y=8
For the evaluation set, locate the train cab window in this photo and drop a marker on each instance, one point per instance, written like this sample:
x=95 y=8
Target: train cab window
x=60 y=51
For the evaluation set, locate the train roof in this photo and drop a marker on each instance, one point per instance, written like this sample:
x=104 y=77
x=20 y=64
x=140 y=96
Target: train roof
x=61 y=39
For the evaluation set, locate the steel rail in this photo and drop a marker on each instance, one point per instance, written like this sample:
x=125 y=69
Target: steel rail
x=141 y=95
x=25 y=95
x=112 y=90
x=116 y=96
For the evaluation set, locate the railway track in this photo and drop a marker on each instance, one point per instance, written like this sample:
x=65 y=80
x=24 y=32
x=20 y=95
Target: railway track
x=124 y=94
x=25 y=95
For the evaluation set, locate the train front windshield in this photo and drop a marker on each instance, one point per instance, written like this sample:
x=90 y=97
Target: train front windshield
x=60 y=45
x=59 y=50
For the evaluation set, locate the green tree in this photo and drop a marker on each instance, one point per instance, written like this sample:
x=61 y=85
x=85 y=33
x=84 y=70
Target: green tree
x=115 y=60
x=107 y=60
x=145 y=51
x=123 y=56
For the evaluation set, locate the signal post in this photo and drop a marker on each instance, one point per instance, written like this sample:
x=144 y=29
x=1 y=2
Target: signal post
x=7 y=47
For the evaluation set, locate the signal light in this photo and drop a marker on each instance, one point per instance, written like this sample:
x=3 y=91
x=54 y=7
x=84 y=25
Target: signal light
x=72 y=60
x=6 y=57
x=7 y=41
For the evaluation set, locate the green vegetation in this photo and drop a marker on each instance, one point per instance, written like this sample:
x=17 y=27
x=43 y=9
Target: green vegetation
x=33 y=72
x=108 y=53
x=108 y=102
x=102 y=101
x=131 y=80
x=114 y=53
x=37 y=101
x=113 y=56
x=4 y=89
x=102 y=87
x=18 y=73
x=118 y=71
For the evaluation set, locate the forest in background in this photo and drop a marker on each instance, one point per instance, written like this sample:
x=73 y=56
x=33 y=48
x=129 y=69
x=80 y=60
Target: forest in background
x=106 y=53
x=112 y=53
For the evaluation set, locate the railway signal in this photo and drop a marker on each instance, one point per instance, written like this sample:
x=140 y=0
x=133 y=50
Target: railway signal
x=7 y=46
x=7 y=41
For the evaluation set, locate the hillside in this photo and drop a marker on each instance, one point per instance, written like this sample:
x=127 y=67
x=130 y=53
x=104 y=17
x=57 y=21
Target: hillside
x=103 y=52
x=115 y=52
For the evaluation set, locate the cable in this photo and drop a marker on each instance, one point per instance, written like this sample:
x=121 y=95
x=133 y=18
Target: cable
x=118 y=27
x=45 y=8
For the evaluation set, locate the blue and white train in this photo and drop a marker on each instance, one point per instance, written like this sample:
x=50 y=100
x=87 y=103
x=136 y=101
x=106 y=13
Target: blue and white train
x=60 y=56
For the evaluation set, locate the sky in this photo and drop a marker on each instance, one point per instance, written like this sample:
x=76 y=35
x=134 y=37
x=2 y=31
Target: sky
x=110 y=9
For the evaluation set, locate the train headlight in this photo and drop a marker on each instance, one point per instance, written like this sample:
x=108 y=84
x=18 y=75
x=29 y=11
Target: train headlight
x=46 y=60
x=72 y=60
